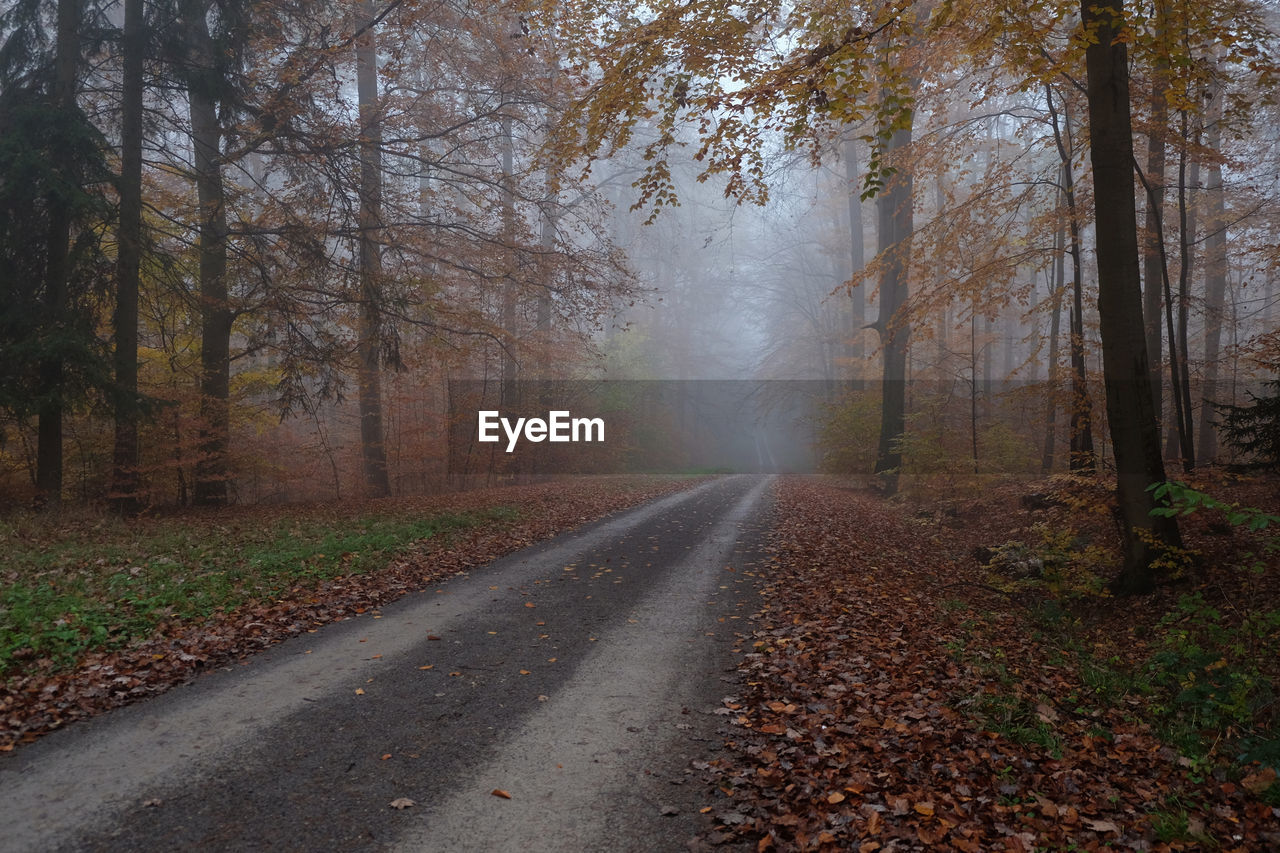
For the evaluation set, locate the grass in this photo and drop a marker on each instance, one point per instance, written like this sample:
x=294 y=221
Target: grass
x=104 y=584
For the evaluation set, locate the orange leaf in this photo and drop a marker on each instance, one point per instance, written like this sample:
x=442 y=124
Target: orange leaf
x=359 y=691
x=925 y=809
x=529 y=604
x=835 y=797
x=498 y=792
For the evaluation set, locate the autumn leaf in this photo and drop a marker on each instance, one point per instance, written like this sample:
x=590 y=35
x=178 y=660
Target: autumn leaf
x=402 y=803
x=359 y=691
x=498 y=792
x=835 y=797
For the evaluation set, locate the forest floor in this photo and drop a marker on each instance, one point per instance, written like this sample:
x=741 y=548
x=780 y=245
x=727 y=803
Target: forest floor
x=941 y=671
x=949 y=673
x=96 y=612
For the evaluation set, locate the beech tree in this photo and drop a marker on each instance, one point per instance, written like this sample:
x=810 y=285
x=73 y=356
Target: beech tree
x=1131 y=417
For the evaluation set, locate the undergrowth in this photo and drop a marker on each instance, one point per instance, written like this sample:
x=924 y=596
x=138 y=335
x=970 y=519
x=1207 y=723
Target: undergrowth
x=1205 y=674
x=106 y=585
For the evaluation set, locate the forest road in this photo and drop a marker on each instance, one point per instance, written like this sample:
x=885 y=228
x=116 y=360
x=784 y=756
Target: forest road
x=579 y=676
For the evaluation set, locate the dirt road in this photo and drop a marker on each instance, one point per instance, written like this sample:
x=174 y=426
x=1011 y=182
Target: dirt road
x=578 y=676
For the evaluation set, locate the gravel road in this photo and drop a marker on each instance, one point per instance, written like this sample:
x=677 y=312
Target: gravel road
x=578 y=676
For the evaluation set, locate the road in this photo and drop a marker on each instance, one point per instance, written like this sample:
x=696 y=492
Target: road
x=579 y=676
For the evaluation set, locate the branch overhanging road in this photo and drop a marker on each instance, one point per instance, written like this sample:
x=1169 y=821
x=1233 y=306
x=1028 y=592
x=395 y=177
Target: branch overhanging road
x=579 y=676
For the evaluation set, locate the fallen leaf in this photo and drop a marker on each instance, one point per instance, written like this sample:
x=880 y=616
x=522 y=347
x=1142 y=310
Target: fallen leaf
x=402 y=803
x=1258 y=783
x=498 y=792
x=1101 y=825
x=359 y=691
x=835 y=797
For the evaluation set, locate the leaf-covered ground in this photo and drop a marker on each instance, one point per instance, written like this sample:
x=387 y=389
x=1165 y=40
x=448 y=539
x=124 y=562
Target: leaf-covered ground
x=895 y=700
x=180 y=594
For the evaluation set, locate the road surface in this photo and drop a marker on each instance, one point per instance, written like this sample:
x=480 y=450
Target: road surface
x=579 y=676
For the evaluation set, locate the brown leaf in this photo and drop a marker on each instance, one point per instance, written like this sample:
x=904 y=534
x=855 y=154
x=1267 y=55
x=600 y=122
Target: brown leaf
x=498 y=792
x=1258 y=783
x=835 y=797
x=402 y=803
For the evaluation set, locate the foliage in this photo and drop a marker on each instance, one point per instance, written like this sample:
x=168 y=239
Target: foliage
x=1254 y=430
x=1184 y=500
x=1211 y=676
x=1058 y=563
x=42 y=150
x=1216 y=673
x=847 y=431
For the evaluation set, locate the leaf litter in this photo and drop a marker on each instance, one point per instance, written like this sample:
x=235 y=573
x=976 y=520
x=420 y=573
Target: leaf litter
x=854 y=729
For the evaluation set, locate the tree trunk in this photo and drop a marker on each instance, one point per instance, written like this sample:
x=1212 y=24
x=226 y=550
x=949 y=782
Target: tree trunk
x=1135 y=436
x=1215 y=284
x=858 y=262
x=1153 y=268
x=58 y=266
x=1082 y=456
x=216 y=317
x=510 y=367
x=372 y=440
x=1057 y=289
x=896 y=223
x=1178 y=350
x=125 y=481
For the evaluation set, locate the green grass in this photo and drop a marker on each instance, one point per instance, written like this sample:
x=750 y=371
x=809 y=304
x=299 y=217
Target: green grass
x=104 y=585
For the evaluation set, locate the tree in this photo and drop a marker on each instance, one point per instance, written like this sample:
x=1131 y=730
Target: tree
x=369 y=345
x=206 y=83
x=58 y=263
x=1254 y=430
x=52 y=171
x=895 y=209
x=124 y=486
x=1131 y=416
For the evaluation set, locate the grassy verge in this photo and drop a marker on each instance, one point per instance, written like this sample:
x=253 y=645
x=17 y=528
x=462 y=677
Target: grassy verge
x=69 y=589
